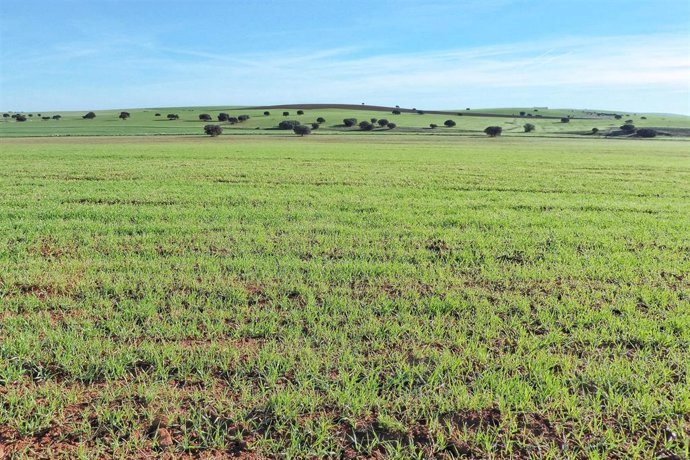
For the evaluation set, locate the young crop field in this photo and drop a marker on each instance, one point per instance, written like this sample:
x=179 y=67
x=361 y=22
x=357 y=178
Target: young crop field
x=343 y=296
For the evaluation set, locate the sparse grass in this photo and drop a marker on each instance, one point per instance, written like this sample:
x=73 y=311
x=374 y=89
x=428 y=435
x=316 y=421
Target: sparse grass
x=345 y=297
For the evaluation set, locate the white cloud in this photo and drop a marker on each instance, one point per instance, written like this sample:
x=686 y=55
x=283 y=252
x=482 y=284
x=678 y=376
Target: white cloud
x=571 y=72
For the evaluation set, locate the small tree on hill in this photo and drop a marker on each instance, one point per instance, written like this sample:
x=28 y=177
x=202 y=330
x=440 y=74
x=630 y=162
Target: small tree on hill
x=391 y=126
x=157 y=115
x=449 y=123
x=365 y=126
x=223 y=116
x=89 y=116
x=433 y=126
x=595 y=130
x=349 y=122
x=285 y=114
x=383 y=122
x=618 y=117
x=172 y=116
x=529 y=127
x=646 y=132
x=243 y=117
x=205 y=117
x=628 y=128
x=45 y=118
x=5 y=115
x=288 y=124
x=213 y=130
x=300 y=112
x=57 y=117
x=493 y=131
x=233 y=120
x=321 y=120
x=522 y=114
x=374 y=120
x=396 y=112
x=267 y=113
x=20 y=118
x=315 y=126
x=301 y=130
x=124 y=115
x=565 y=120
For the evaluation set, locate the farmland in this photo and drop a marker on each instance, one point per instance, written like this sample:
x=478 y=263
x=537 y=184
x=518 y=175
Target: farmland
x=398 y=296
x=144 y=122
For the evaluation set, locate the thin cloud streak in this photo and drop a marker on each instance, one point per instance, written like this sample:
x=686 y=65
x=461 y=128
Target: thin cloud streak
x=566 y=72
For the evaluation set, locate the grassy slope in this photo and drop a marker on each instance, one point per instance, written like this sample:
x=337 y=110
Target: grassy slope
x=144 y=122
x=342 y=296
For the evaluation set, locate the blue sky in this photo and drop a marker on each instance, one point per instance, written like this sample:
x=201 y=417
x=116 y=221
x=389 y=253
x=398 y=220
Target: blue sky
x=631 y=55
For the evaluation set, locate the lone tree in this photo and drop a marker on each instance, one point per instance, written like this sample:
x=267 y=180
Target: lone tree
x=243 y=117
x=449 y=123
x=233 y=120
x=301 y=130
x=365 y=126
x=285 y=114
x=433 y=126
x=565 y=120
x=5 y=115
x=157 y=115
x=124 y=115
x=213 y=130
x=300 y=112
x=315 y=126
x=349 y=122
x=628 y=128
x=173 y=116
x=374 y=120
x=223 y=116
x=383 y=122
x=321 y=120
x=529 y=127
x=20 y=118
x=288 y=124
x=205 y=117
x=646 y=132
x=89 y=116
x=595 y=130
x=267 y=113
x=618 y=117
x=522 y=114
x=396 y=112
x=57 y=117
x=45 y=118
x=493 y=131
x=391 y=126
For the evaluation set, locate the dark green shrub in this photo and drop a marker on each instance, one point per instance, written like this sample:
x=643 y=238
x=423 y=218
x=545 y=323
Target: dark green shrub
x=288 y=124
x=646 y=132
x=365 y=126
x=213 y=130
x=302 y=130
x=493 y=131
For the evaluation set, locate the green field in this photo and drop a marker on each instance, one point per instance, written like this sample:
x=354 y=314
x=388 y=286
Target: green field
x=144 y=122
x=342 y=296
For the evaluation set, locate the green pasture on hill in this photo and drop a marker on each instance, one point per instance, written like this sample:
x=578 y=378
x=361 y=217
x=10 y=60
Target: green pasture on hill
x=342 y=296
x=144 y=122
